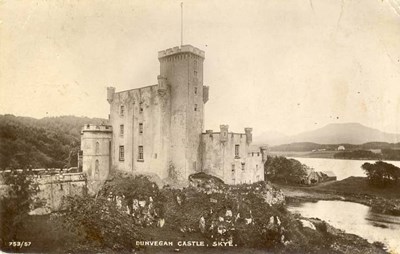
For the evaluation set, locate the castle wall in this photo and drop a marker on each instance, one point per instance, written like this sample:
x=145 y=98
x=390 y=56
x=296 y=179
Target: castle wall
x=145 y=139
x=53 y=188
x=220 y=158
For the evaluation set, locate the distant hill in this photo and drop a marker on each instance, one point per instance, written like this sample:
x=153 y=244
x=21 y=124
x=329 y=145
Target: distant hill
x=47 y=142
x=341 y=133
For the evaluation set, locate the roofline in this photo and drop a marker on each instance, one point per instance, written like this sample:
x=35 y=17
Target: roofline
x=136 y=88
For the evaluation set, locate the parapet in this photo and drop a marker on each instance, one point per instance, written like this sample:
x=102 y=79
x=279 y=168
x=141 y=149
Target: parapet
x=182 y=49
x=96 y=128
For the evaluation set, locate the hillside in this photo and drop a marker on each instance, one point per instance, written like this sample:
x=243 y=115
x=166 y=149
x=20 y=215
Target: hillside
x=47 y=142
x=341 y=133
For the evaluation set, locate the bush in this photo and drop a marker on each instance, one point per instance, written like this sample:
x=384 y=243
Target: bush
x=98 y=223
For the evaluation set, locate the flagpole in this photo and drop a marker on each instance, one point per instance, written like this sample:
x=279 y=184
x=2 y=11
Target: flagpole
x=181 y=24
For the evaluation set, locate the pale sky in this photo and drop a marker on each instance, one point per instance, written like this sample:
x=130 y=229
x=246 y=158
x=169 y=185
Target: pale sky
x=288 y=66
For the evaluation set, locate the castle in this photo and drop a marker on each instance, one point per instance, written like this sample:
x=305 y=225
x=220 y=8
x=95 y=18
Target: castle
x=159 y=129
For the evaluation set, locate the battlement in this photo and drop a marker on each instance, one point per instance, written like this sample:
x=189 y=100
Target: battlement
x=182 y=49
x=94 y=127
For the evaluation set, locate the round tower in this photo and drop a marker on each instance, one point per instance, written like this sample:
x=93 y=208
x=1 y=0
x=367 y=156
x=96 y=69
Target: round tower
x=96 y=147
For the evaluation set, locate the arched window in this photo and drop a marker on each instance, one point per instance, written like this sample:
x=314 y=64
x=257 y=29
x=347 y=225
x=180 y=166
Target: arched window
x=97 y=149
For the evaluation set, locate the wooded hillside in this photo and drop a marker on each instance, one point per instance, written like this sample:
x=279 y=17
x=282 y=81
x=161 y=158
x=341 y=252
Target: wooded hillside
x=41 y=143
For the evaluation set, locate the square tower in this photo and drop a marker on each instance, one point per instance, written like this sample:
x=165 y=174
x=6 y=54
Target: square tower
x=182 y=69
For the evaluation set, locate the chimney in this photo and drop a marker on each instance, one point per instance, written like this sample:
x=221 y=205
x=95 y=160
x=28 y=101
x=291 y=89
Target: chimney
x=110 y=94
x=249 y=135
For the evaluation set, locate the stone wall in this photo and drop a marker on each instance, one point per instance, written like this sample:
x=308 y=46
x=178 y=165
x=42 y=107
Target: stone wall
x=220 y=158
x=51 y=189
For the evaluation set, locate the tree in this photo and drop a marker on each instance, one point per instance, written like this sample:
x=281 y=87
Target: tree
x=15 y=200
x=381 y=174
x=281 y=169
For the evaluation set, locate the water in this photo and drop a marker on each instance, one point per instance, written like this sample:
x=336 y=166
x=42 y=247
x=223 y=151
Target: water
x=341 y=168
x=356 y=219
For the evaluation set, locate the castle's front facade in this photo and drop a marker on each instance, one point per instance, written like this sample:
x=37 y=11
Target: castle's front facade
x=159 y=129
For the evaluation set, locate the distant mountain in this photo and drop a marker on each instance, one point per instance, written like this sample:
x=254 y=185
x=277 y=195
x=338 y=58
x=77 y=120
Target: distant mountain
x=340 y=133
x=46 y=142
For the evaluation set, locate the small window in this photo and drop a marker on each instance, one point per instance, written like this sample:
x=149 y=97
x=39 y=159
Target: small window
x=243 y=166
x=195 y=107
x=140 y=128
x=122 y=110
x=141 y=108
x=96 y=168
x=195 y=90
x=121 y=130
x=237 y=151
x=195 y=73
x=97 y=149
x=233 y=168
x=121 y=153
x=257 y=168
x=155 y=156
x=141 y=157
x=195 y=64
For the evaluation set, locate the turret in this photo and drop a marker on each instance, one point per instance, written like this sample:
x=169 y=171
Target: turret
x=110 y=94
x=264 y=153
x=206 y=90
x=249 y=135
x=224 y=132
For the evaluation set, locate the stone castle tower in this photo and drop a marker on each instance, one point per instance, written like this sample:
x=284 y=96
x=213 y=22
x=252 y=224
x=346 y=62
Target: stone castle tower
x=182 y=70
x=157 y=129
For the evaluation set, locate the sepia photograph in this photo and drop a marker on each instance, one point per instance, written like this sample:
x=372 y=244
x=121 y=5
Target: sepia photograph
x=200 y=126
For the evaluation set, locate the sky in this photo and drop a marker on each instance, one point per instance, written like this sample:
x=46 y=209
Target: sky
x=288 y=66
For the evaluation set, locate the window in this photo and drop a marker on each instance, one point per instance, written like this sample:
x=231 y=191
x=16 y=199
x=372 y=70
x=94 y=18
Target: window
x=195 y=64
x=195 y=90
x=141 y=107
x=243 y=168
x=140 y=128
x=195 y=107
x=195 y=73
x=233 y=168
x=141 y=157
x=97 y=149
x=236 y=151
x=121 y=130
x=96 y=168
x=122 y=110
x=121 y=153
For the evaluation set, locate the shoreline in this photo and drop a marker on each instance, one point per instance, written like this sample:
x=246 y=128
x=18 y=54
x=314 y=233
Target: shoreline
x=352 y=189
